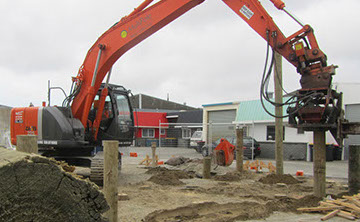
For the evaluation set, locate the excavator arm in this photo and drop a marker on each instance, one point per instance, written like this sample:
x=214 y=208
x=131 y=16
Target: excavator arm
x=121 y=37
x=315 y=100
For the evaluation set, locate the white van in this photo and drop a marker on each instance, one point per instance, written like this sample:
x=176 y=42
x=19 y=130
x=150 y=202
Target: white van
x=195 y=138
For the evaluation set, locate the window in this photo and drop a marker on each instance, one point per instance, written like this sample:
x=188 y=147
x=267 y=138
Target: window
x=148 y=133
x=186 y=133
x=123 y=108
x=270 y=133
x=162 y=131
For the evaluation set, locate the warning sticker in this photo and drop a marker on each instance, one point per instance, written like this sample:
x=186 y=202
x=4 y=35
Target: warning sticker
x=246 y=12
x=19 y=117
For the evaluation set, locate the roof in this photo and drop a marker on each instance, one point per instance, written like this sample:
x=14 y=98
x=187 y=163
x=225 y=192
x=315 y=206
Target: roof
x=219 y=104
x=150 y=102
x=191 y=116
x=149 y=119
x=253 y=111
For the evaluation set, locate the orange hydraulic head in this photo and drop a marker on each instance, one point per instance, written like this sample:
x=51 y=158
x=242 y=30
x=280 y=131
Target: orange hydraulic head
x=227 y=149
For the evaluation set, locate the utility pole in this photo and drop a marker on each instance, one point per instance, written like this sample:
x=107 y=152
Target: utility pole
x=279 y=130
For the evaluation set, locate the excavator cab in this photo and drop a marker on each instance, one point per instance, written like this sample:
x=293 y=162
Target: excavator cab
x=117 y=122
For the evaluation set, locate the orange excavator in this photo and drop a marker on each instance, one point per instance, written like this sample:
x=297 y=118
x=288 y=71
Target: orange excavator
x=73 y=130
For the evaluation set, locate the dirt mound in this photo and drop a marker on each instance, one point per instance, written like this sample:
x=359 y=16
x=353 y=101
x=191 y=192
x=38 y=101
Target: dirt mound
x=288 y=204
x=234 y=176
x=156 y=170
x=274 y=179
x=165 y=176
x=175 y=161
x=214 y=212
x=211 y=212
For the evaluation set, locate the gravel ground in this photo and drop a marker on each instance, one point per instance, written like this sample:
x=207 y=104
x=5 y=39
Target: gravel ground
x=149 y=200
x=334 y=169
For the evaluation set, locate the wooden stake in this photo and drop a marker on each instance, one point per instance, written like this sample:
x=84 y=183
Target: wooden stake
x=153 y=149
x=319 y=163
x=354 y=169
x=27 y=143
x=206 y=167
x=330 y=215
x=346 y=216
x=279 y=130
x=239 y=149
x=111 y=178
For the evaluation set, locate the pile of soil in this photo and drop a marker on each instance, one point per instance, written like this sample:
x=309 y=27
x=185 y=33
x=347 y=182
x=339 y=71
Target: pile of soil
x=274 y=179
x=247 y=210
x=165 y=176
x=155 y=170
x=234 y=176
x=287 y=204
x=211 y=212
x=175 y=161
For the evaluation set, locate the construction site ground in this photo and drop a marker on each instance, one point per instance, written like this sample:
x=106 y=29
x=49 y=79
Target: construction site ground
x=178 y=194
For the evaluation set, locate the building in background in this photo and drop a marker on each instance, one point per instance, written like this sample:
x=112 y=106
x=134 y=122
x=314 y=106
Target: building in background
x=218 y=120
x=148 y=127
x=165 y=122
x=142 y=101
x=181 y=126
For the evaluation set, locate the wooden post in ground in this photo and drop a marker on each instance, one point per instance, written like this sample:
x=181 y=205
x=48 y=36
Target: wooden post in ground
x=279 y=130
x=239 y=149
x=153 y=149
x=206 y=167
x=111 y=155
x=319 y=163
x=27 y=143
x=354 y=169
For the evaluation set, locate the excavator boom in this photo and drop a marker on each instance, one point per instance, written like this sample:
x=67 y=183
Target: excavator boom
x=116 y=41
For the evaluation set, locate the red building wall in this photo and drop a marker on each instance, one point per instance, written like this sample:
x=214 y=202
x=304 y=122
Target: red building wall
x=149 y=120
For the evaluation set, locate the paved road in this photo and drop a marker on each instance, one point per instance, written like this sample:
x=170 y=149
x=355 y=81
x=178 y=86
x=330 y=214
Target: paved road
x=334 y=169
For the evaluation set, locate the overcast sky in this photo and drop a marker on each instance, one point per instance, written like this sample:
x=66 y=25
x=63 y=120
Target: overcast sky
x=208 y=55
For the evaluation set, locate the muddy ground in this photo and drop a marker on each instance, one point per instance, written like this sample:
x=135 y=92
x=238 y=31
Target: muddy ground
x=179 y=194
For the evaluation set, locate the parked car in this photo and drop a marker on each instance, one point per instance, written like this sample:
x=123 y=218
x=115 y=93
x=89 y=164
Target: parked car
x=248 y=142
x=197 y=141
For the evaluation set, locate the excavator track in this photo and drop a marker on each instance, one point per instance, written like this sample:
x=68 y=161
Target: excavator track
x=97 y=168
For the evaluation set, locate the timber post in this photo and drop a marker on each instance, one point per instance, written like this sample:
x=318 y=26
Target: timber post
x=239 y=148
x=154 y=159
x=319 y=150
x=354 y=169
x=206 y=167
x=279 y=130
x=111 y=162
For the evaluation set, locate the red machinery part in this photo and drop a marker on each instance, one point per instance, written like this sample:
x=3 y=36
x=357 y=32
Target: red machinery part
x=24 y=121
x=224 y=153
